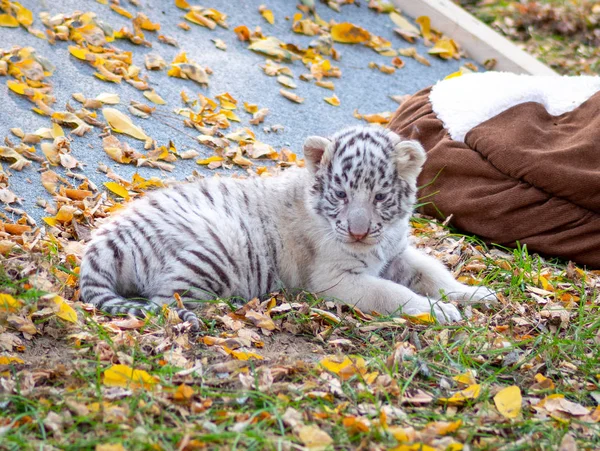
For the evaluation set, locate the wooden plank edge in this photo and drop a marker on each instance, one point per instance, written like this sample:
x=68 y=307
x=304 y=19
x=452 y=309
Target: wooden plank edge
x=478 y=40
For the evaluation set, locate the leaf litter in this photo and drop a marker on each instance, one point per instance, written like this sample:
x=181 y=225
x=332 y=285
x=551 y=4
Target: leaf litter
x=407 y=390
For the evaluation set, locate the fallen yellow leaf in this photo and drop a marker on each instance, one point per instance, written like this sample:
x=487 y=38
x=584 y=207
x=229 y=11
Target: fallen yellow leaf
x=508 y=401
x=471 y=392
x=108 y=98
x=24 y=16
x=182 y=4
x=546 y=284
x=402 y=434
x=19 y=88
x=314 y=438
x=458 y=73
x=181 y=67
x=57 y=130
x=356 y=424
x=209 y=160
x=445 y=48
x=542 y=383
x=117 y=189
x=65 y=214
x=183 y=394
x=14 y=229
x=77 y=194
x=122 y=11
x=121 y=123
x=242 y=355
x=345 y=367
x=125 y=376
x=421 y=318
x=425 y=24
x=250 y=107
x=267 y=14
x=9 y=304
x=334 y=364
x=110 y=447
x=443 y=427
x=377 y=118
x=273 y=47
x=414 y=447
x=403 y=23
x=65 y=311
x=7 y=359
x=199 y=19
x=8 y=21
x=466 y=378
x=348 y=33
x=333 y=100
x=154 y=97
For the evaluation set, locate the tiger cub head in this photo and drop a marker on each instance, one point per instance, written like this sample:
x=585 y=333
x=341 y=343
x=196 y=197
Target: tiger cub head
x=364 y=182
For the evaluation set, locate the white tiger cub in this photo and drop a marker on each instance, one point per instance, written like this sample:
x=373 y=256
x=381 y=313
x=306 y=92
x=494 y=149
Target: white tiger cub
x=338 y=229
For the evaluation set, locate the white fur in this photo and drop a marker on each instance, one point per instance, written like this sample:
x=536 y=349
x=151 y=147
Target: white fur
x=232 y=234
x=464 y=102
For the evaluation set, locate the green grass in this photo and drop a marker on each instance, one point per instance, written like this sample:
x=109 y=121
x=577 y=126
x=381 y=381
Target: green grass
x=230 y=409
x=560 y=33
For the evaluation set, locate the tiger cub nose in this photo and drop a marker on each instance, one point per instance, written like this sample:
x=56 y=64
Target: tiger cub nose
x=358 y=236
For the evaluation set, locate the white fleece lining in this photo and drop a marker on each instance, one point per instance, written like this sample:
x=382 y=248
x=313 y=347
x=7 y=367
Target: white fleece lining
x=464 y=102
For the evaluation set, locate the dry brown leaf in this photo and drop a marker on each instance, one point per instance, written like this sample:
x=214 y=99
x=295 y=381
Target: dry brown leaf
x=273 y=47
x=558 y=403
x=70 y=119
x=10 y=154
x=7 y=196
x=181 y=67
x=220 y=44
x=259 y=116
x=291 y=96
x=260 y=320
x=24 y=325
x=154 y=61
x=286 y=81
x=405 y=29
x=411 y=52
x=398 y=63
x=325 y=84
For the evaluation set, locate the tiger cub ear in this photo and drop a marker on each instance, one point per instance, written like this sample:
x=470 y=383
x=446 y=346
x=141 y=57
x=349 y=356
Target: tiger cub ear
x=410 y=157
x=315 y=154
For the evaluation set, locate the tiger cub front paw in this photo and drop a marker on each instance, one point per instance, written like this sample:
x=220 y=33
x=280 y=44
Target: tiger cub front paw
x=444 y=312
x=465 y=293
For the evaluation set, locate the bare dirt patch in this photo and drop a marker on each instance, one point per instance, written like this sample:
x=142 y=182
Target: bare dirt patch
x=281 y=347
x=47 y=352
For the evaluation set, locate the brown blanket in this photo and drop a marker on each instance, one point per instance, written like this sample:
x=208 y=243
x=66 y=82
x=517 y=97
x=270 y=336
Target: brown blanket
x=523 y=175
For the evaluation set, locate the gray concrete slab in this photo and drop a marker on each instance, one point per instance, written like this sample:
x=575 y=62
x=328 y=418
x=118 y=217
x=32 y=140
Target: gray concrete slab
x=236 y=71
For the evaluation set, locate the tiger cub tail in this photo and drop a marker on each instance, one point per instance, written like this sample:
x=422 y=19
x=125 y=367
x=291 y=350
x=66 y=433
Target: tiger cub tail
x=98 y=286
